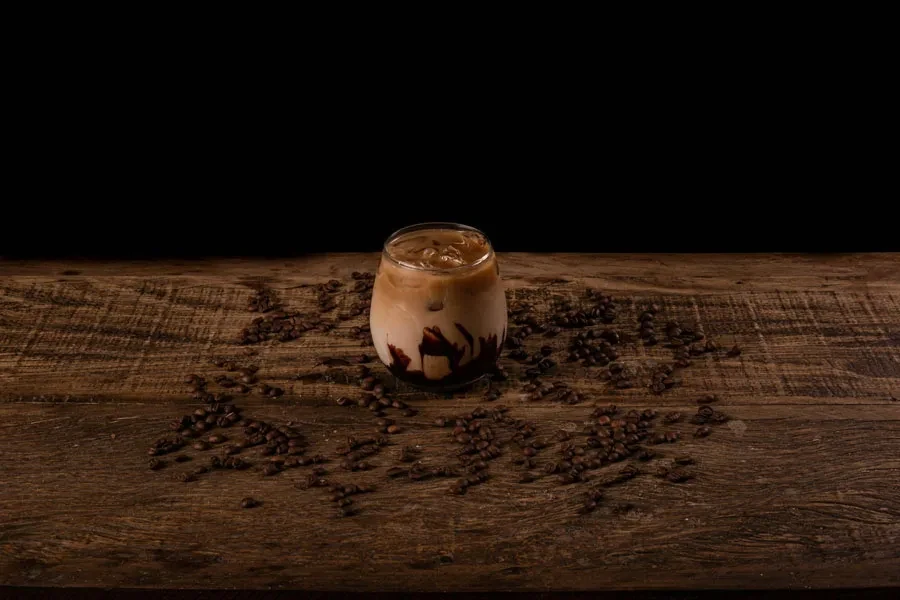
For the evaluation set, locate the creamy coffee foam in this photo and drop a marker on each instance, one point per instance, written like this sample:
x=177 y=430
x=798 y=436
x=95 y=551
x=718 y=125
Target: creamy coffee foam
x=439 y=248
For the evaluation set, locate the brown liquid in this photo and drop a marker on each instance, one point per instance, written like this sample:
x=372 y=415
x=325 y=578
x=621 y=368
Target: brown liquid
x=436 y=321
x=439 y=249
x=435 y=344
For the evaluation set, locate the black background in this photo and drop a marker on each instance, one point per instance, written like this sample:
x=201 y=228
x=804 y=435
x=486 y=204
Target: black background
x=243 y=206
x=192 y=164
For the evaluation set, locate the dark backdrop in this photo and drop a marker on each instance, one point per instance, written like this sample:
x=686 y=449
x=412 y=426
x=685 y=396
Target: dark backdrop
x=216 y=198
x=720 y=158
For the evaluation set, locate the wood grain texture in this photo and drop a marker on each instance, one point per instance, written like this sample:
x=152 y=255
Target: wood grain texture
x=798 y=490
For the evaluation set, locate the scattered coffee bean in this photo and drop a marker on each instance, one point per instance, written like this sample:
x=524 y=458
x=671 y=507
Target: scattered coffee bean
x=678 y=475
x=249 y=503
x=672 y=417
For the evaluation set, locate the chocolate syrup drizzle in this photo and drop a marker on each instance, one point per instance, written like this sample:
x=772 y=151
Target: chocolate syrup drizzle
x=435 y=343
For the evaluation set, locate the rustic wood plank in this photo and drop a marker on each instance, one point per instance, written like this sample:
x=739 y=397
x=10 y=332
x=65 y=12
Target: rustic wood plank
x=784 y=497
x=797 y=490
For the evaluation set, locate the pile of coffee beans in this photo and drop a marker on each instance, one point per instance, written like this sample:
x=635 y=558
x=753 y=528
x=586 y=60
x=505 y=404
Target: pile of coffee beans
x=663 y=378
x=282 y=326
x=341 y=496
x=566 y=314
x=285 y=326
x=362 y=287
x=357 y=450
x=326 y=295
x=363 y=333
x=377 y=399
x=558 y=391
x=482 y=435
x=594 y=347
x=164 y=446
x=619 y=374
x=243 y=379
x=646 y=329
x=262 y=301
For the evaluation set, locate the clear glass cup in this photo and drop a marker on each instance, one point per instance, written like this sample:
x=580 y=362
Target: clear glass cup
x=438 y=312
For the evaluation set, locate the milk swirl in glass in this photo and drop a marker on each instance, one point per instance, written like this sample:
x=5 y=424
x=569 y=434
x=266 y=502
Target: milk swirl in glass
x=438 y=314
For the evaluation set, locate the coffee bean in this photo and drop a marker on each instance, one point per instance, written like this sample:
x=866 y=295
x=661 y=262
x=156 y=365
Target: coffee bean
x=702 y=432
x=216 y=439
x=672 y=417
x=234 y=462
x=678 y=475
x=156 y=464
x=734 y=352
x=271 y=469
x=708 y=399
x=249 y=503
x=410 y=412
x=705 y=412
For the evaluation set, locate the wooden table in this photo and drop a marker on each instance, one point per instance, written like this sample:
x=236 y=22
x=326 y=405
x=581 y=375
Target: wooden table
x=799 y=489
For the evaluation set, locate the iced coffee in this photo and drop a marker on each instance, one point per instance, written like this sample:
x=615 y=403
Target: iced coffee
x=438 y=314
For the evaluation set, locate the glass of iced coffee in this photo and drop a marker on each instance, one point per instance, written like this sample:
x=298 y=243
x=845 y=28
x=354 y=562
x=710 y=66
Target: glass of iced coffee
x=438 y=314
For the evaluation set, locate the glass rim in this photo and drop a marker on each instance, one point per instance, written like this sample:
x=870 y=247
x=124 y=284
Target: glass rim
x=437 y=225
